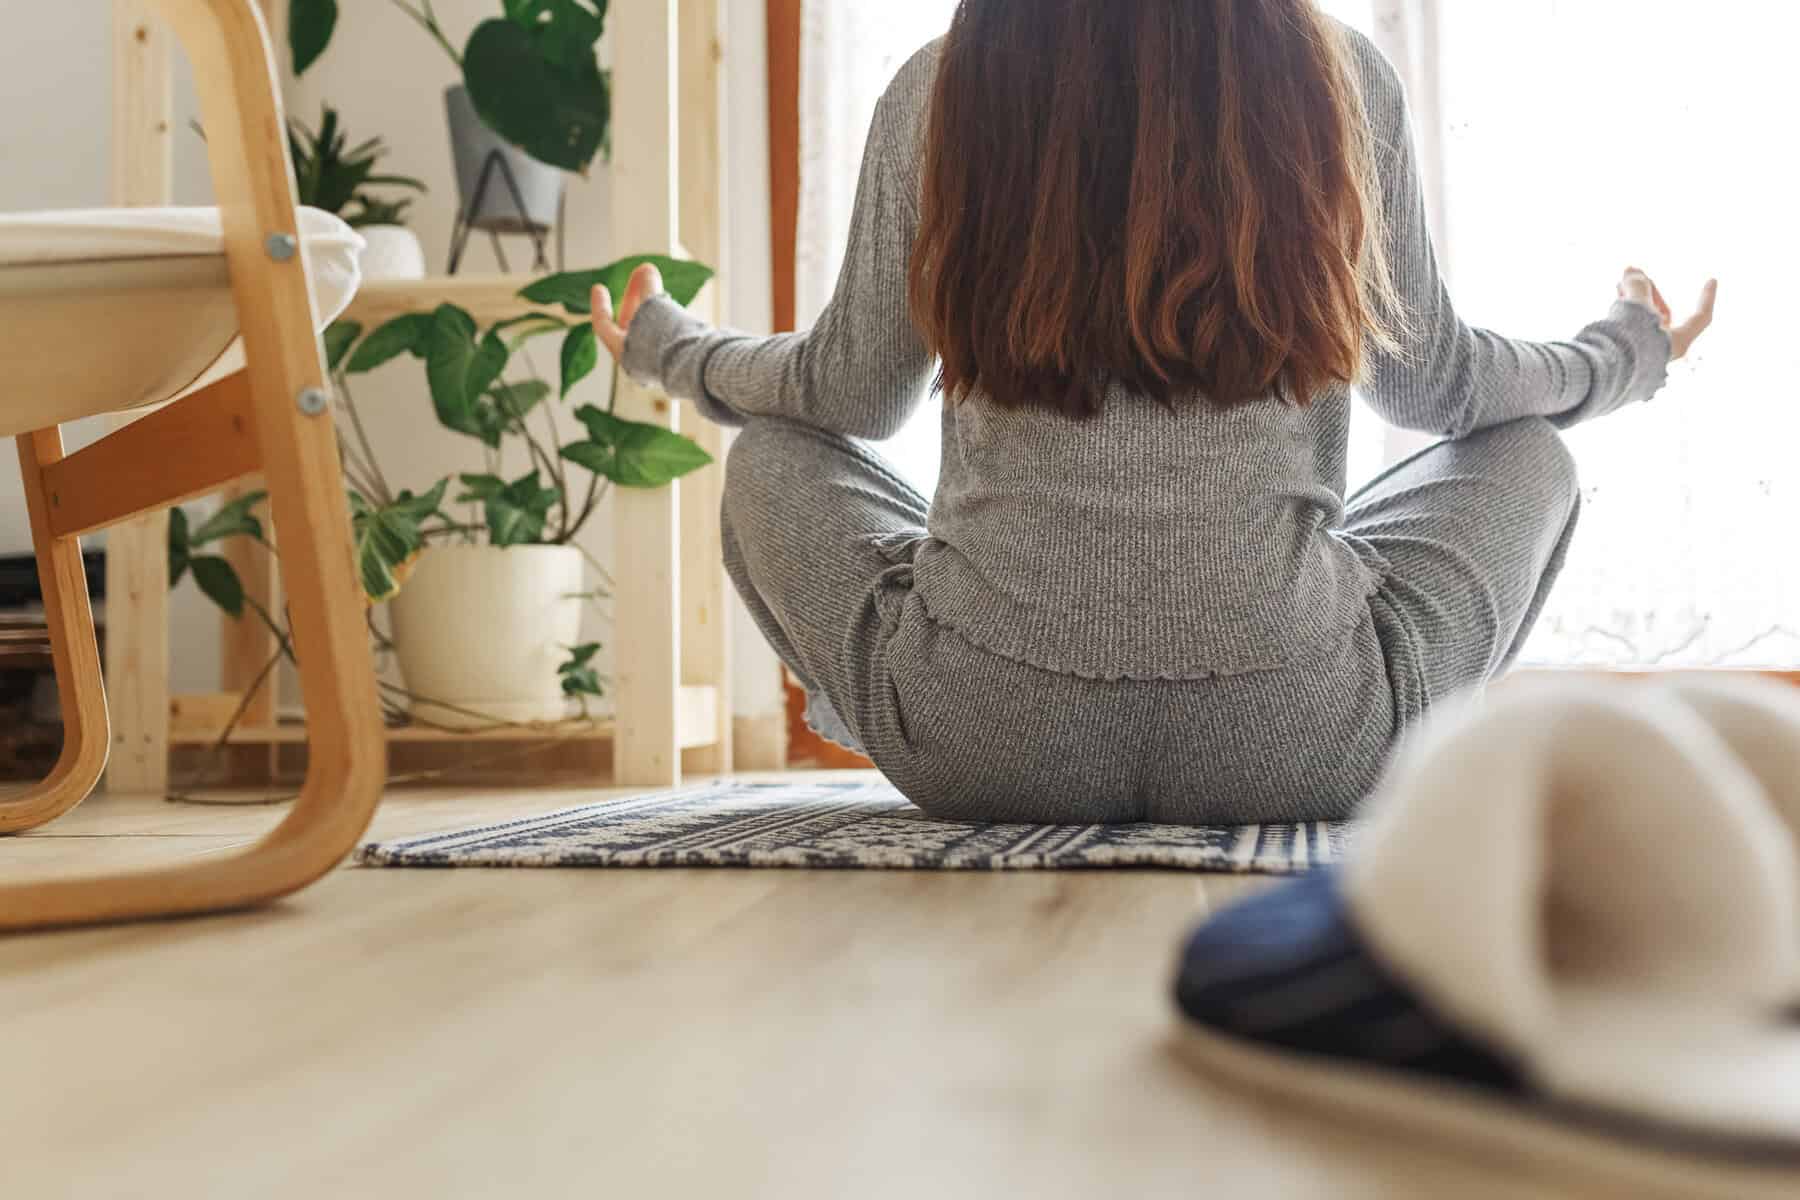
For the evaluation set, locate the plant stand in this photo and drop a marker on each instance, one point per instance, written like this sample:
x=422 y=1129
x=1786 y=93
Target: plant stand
x=496 y=167
x=672 y=677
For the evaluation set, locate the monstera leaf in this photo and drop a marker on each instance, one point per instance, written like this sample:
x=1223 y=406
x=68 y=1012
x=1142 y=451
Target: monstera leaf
x=536 y=80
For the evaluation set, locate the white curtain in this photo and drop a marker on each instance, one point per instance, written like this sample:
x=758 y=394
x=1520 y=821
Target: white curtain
x=1563 y=140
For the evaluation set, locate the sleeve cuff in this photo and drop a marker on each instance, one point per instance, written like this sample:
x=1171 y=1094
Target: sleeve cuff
x=1634 y=334
x=668 y=347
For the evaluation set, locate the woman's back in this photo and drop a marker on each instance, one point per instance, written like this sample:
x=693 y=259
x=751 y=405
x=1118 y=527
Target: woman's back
x=1147 y=541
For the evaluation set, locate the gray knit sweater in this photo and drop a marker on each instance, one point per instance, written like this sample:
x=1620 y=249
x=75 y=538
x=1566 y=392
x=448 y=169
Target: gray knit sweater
x=1143 y=543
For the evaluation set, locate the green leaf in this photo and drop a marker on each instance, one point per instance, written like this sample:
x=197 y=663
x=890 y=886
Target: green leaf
x=179 y=548
x=580 y=356
x=582 y=682
x=220 y=582
x=518 y=514
x=232 y=520
x=460 y=370
x=385 y=539
x=537 y=92
x=388 y=537
x=566 y=32
x=310 y=26
x=516 y=400
x=631 y=454
x=531 y=325
x=580 y=656
x=409 y=334
x=578 y=675
x=422 y=507
x=573 y=290
x=331 y=174
x=339 y=337
x=480 y=487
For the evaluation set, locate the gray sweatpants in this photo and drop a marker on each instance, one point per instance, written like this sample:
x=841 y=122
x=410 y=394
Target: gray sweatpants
x=1467 y=538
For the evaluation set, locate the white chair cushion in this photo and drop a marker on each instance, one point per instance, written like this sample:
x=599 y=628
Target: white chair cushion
x=112 y=309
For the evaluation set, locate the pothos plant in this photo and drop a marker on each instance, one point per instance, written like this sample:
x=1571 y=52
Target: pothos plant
x=476 y=394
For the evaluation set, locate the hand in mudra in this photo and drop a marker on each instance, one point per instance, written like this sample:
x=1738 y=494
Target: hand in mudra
x=646 y=282
x=1639 y=288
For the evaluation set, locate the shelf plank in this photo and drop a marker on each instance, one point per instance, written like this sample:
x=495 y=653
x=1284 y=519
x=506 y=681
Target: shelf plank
x=487 y=298
x=699 y=720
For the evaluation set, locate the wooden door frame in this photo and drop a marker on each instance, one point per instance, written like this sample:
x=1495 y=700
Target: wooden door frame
x=804 y=746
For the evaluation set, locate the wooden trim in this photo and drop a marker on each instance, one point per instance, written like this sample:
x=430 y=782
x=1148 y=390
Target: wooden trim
x=73 y=649
x=487 y=298
x=706 y=656
x=761 y=742
x=647 y=524
x=137 y=557
x=191 y=448
x=246 y=645
x=784 y=154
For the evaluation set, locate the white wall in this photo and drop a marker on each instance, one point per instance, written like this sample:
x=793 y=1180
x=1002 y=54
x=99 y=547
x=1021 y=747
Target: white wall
x=56 y=152
x=387 y=79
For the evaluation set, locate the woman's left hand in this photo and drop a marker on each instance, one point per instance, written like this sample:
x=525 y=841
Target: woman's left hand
x=646 y=282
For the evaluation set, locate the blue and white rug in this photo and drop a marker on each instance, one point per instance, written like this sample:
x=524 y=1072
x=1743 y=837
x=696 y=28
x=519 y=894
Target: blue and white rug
x=838 y=824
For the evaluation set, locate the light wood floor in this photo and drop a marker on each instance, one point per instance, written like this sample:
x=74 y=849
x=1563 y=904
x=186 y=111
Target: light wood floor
x=638 y=1034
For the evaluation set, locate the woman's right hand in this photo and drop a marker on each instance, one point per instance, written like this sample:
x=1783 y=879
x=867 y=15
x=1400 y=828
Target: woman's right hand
x=1639 y=288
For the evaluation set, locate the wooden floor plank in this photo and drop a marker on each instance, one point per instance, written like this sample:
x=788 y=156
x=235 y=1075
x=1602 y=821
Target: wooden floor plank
x=647 y=1033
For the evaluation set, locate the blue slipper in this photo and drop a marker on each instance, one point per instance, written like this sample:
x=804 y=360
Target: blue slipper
x=1569 y=931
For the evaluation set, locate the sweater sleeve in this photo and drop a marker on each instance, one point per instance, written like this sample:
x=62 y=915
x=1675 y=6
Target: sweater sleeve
x=1451 y=378
x=862 y=370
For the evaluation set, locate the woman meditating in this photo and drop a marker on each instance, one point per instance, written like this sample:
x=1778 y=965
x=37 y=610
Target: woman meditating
x=1148 y=246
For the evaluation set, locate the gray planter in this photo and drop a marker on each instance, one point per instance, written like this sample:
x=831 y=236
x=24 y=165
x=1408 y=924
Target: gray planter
x=540 y=187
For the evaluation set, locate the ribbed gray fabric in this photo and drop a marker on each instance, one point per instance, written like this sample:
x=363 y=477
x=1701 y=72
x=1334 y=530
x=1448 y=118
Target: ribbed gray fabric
x=1150 y=615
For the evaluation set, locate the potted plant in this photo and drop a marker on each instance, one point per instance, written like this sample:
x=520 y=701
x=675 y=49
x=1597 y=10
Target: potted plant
x=335 y=176
x=534 y=101
x=484 y=580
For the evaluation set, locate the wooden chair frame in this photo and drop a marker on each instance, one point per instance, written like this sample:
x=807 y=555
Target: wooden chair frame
x=265 y=419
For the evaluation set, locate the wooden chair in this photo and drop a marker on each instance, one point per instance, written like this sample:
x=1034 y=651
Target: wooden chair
x=89 y=341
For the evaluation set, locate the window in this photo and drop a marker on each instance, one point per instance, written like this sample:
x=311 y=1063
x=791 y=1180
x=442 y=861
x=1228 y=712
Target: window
x=1643 y=134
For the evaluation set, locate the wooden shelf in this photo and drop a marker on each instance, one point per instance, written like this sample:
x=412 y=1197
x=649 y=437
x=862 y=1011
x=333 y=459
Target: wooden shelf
x=487 y=298
x=699 y=723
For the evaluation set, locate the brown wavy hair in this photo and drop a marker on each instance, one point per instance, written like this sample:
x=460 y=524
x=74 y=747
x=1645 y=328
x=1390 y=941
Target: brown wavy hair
x=1177 y=195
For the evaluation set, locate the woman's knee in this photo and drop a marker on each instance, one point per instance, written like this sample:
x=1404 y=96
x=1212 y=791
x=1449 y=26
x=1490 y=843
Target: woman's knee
x=752 y=460
x=772 y=460
x=1535 y=451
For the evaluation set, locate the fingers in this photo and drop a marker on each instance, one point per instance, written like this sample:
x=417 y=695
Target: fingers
x=1702 y=319
x=1637 y=288
x=611 y=335
x=646 y=282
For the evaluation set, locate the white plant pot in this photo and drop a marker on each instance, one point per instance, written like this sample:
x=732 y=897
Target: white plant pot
x=393 y=252
x=481 y=631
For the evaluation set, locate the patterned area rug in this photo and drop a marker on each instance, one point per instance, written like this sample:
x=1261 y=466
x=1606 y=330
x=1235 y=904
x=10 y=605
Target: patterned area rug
x=846 y=825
